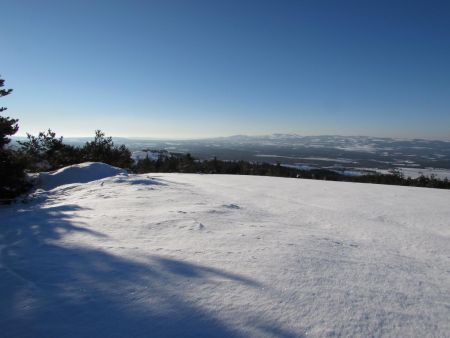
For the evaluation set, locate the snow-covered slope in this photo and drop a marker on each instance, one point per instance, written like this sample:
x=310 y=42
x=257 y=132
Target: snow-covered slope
x=225 y=256
x=77 y=173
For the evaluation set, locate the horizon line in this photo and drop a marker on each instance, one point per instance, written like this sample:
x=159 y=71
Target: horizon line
x=148 y=138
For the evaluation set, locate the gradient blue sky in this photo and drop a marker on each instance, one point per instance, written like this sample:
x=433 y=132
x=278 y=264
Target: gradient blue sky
x=187 y=69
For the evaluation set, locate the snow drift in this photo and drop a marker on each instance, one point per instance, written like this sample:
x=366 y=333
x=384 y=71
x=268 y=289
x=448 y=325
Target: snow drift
x=185 y=255
x=77 y=173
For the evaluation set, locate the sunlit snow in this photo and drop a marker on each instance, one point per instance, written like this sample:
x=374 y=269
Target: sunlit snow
x=188 y=255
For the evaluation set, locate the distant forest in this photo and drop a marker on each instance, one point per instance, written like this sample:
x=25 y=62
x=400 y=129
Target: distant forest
x=185 y=163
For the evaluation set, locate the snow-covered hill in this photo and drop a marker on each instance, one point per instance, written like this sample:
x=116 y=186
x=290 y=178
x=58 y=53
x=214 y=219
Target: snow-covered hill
x=184 y=255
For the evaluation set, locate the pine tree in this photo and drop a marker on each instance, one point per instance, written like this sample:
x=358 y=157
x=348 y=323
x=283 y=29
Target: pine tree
x=8 y=126
x=102 y=149
x=48 y=152
x=12 y=175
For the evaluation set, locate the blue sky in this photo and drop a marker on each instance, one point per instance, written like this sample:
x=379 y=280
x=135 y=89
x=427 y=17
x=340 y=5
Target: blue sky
x=187 y=69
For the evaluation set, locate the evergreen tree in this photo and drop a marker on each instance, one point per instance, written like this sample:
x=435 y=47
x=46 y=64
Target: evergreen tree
x=48 y=152
x=8 y=126
x=102 y=149
x=12 y=175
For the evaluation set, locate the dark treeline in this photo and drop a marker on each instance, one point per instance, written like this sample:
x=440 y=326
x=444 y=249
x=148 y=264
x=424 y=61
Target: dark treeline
x=185 y=163
x=47 y=152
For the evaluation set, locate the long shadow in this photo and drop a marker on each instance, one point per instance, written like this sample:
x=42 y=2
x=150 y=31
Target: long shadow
x=50 y=290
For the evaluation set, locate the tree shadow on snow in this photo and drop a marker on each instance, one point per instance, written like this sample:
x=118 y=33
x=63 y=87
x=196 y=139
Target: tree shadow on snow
x=50 y=290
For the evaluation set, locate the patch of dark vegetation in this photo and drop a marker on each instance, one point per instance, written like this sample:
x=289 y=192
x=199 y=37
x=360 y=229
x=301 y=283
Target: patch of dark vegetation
x=12 y=167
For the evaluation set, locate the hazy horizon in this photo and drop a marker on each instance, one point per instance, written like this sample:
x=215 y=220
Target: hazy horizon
x=201 y=69
x=150 y=138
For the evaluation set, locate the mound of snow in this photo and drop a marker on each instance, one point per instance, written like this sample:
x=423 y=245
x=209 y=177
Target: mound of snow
x=77 y=173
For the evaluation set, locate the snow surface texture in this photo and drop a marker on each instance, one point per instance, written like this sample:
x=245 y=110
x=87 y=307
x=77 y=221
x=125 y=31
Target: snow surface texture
x=182 y=255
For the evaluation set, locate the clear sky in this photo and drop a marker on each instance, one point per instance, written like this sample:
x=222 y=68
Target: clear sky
x=187 y=69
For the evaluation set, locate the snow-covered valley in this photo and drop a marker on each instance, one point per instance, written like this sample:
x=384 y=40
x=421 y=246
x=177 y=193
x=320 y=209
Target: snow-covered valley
x=188 y=255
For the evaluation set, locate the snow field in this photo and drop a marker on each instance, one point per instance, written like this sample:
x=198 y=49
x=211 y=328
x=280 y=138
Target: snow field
x=225 y=256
